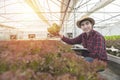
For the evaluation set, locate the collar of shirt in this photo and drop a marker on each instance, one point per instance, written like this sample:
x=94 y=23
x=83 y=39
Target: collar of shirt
x=92 y=32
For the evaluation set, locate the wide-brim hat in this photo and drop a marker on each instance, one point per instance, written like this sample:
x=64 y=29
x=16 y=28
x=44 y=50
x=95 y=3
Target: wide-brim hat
x=84 y=19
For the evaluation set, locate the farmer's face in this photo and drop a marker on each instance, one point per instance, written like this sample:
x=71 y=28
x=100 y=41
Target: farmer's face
x=86 y=26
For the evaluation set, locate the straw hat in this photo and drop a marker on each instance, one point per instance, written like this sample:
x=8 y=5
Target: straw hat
x=84 y=19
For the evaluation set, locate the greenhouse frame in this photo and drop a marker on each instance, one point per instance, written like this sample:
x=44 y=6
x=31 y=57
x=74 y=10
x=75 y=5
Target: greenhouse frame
x=25 y=35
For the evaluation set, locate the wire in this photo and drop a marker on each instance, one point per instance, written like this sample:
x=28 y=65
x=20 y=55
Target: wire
x=82 y=4
x=64 y=4
x=108 y=18
x=49 y=9
x=65 y=12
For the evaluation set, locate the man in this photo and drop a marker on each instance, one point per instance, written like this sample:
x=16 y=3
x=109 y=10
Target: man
x=90 y=39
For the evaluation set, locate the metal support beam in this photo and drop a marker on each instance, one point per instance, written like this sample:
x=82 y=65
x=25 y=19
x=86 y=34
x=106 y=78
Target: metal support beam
x=98 y=6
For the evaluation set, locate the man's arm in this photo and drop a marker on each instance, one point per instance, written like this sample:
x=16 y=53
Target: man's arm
x=76 y=40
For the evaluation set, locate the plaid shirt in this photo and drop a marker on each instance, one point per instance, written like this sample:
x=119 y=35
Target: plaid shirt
x=95 y=43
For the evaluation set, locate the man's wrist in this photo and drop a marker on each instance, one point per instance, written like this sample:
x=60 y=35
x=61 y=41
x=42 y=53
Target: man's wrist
x=61 y=36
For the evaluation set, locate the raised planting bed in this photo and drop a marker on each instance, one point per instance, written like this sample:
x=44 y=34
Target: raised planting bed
x=113 y=70
x=114 y=63
x=44 y=60
x=113 y=47
x=114 y=60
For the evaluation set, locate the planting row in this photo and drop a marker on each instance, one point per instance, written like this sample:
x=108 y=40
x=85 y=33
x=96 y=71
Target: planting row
x=44 y=60
x=113 y=47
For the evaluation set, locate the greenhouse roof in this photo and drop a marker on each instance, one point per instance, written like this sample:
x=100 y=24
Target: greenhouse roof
x=41 y=14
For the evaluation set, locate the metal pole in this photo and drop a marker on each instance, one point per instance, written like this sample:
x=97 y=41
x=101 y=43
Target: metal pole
x=74 y=23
